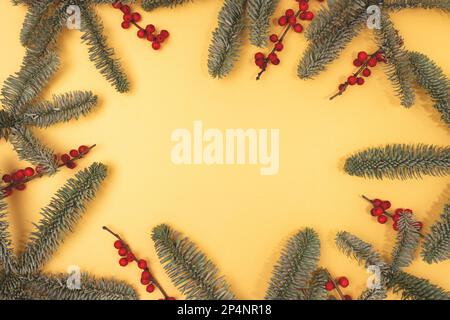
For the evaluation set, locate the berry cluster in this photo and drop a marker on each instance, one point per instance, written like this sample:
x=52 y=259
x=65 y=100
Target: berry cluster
x=290 y=20
x=132 y=18
x=336 y=284
x=364 y=62
x=18 y=179
x=380 y=208
x=127 y=257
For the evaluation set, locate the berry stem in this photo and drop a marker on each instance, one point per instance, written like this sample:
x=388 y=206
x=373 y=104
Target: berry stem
x=283 y=35
x=336 y=285
x=154 y=281
x=356 y=74
x=43 y=173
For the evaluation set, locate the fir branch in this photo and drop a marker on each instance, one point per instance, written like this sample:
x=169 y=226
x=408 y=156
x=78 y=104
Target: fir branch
x=35 y=15
x=60 y=216
x=294 y=269
x=425 y=4
x=21 y=88
x=414 y=288
x=7 y=260
x=63 y=108
x=55 y=287
x=434 y=81
x=259 y=13
x=356 y=248
x=326 y=48
x=436 y=247
x=189 y=269
x=407 y=242
x=398 y=69
x=316 y=289
x=149 y=5
x=373 y=294
x=399 y=161
x=226 y=39
x=6 y=122
x=29 y=148
x=99 y=52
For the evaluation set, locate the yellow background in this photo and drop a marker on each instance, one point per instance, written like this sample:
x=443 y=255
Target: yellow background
x=238 y=217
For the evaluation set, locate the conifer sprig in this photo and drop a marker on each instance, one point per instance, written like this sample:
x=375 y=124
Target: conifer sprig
x=414 y=288
x=407 y=242
x=316 y=289
x=400 y=161
x=436 y=246
x=149 y=5
x=373 y=294
x=297 y=263
x=189 y=269
x=425 y=4
x=259 y=13
x=7 y=259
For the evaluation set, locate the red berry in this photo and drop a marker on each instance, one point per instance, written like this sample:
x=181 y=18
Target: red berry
x=289 y=13
x=130 y=256
x=145 y=281
x=376 y=202
x=341 y=87
x=21 y=187
x=136 y=17
x=125 y=9
x=273 y=38
x=279 y=46
x=117 y=5
x=302 y=16
x=74 y=153
x=125 y=25
x=379 y=56
x=7 y=192
x=142 y=264
x=146 y=275
x=418 y=225
x=141 y=33
x=164 y=33
x=347 y=297
x=357 y=63
x=71 y=164
x=395 y=226
x=160 y=38
x=407 y=211
x=382 y=219
x=309 y=15
x=366 y=72
x=123 y=262
x=83 y=149
x=385 y=205
x=260 y=63
x=292 y=20
x=150 y=288
x=352 y=80
x=329 y=285
x=6 y=178
x=272 y=56
x=127 y=17
x=18 y=176
x=377 y=211
x=156 y=45
x=123 y=252
x=151 y=37
x=298 y=28
x=118 y=244
x=362 y=56
x=343 y=282
x=396 y=217
x=282 y=21
x=303 y=6
x=372 y=62
x=398 y=211
x=29 y=172
x=150 y=28
x=259 y=55
x=360 y=81
x=275 y=62
x=65 y=157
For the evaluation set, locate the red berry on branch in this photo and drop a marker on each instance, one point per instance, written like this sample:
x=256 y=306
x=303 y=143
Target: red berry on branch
x=398 y=211
x=7 y=178
x=21 y=187
x=123 y=252
x=146 y=274
x=292 y=20
x=18 y=176
x=83 y=149
x=65 y=158
x=362 y=56
x=282 y=21
x=142 y=264
x=150 y=288
x=379 y=56
x=348 y=297
x=352 y=80
x=289 y=13
x=385 y=205
x=275 y=62
x=341 y=87
x=29 y=172
x=377 y=211
x=343 y=282
x=156 y=45
x=136 y=17
x=366 y=72
x=302 y=16
x=150 y=28
x=118 y=244
x=117 y=5
x=408 y=211
x=164 y=33
x=396 y=217
x=145 y=281
x=273 y=38
x=151 y=37
x=357 y=63
x=130 y=256
x=360 y=81
x=329 y=285
x=298 y=28
x=372 y=62
x=160 y=38
x=141 y=33
x=127 y=17
x=123 y=262
x=125 y=9
x=395 y=226
x=272 y=56
x=376 y=202
x=279 y=46
x=382 y=219
x=74 y=153
x=259 y=55
x=125 y=25
x=260 y=62
x=303 y=6
x=71 y=164
x=309 y=15
x=418 y=225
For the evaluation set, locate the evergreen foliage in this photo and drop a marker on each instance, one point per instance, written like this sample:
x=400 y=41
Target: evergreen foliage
x=436 y=246
x=22 y=277
x=189 y=269
x=399 y=161
x=407 y=242
x=149 y=5
x=414 y=288
x=373 y=294
x=316 y=289
x=297 y=263
x=425 y=4
x=259 y=13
